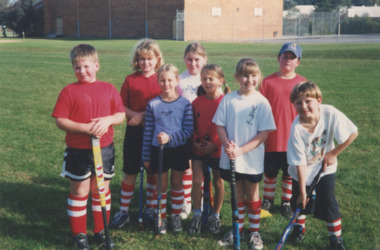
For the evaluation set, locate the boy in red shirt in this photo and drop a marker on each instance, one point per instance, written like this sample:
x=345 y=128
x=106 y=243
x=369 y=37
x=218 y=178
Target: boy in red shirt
x=276 y=88
x=84 y=109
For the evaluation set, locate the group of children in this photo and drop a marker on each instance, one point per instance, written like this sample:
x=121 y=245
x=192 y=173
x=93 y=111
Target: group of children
x=201 y=125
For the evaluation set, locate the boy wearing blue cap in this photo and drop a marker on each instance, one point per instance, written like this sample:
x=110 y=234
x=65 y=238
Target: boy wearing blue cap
x=276 y=88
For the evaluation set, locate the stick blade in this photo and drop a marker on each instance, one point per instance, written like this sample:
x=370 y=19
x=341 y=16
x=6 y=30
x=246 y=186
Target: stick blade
x=265 y=214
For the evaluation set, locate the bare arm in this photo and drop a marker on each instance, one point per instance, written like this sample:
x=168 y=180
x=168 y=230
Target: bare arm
x=301 y=170
x=74 y=127
x=134 y=118
x=330 y=157
x=103 y=123
x=236 y=151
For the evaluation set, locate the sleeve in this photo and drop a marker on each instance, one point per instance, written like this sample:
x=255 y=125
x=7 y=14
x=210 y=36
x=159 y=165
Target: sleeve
x=124 y=92
x=296 y=153
x=148 y=133
x=343 y=128
x=181 y=137
x=220 y=114
x=117 y=103
x=266 y=120
x=62 y=107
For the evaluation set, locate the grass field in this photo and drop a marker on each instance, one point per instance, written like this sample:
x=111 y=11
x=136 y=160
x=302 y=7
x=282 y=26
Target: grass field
x=33 y=197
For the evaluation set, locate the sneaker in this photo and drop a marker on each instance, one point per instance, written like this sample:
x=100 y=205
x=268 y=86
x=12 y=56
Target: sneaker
x=336 y=243
x=176 y=223
x=196 y=224
x=213 y=224
x=255 y=241
x=119 y=219
x=164 y=226
x=149 y=214
x=286 y=210
x=80 y=241
x=228 y=239
x=100 y=239
x=267 y=204
x=297 y=234
x=186 y=210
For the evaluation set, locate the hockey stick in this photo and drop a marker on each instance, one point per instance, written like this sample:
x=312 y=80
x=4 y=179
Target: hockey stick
x=159 y=191
x=299 y=209
x=98 y=163
x=141 y=223
x=235 y=210
x=207 y=206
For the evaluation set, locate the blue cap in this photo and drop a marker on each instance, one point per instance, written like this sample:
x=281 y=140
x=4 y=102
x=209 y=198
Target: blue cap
x=292 y=47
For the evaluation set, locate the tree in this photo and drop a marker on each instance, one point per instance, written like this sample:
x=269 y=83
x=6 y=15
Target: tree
x=18 y=16
x=365 y=2
x=330 y=5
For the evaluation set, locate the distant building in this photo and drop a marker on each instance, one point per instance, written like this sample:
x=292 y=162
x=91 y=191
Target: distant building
x=163 y=19
x=370 y=11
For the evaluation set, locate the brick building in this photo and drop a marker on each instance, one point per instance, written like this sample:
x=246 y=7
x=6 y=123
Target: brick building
x=163 y=19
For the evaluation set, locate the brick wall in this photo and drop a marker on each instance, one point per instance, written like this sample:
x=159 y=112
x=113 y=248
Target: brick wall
x=237 y=20
x=127 y=17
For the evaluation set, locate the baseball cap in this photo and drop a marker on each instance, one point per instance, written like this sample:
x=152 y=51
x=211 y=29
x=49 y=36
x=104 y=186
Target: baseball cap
x=292 y=47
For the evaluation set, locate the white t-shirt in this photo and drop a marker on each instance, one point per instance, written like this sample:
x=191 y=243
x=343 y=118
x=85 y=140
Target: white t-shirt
x=188 y=85
x=243 y=117
x=308 y=149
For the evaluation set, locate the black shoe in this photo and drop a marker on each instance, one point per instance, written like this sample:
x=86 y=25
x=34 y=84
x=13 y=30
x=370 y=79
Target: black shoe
x=286 y=210
x=80 y=241
x=297 y=234
x=267 y=205
x=100 y=239
x=336 y=243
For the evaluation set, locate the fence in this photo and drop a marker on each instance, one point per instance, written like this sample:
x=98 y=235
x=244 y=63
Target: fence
x=328 y=23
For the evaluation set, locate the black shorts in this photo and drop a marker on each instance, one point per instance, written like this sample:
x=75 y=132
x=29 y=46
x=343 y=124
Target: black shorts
x=78 y=164
x=273 y=162
x=213 y=163
x=132 y=149
x=325 y=206
x=253 y=178
x=174 y=158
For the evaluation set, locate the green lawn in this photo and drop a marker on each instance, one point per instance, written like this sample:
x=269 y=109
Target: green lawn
x=33 y=200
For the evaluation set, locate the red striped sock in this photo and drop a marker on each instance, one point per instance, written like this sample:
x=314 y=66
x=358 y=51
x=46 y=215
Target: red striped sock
x=150 y=187
x=97 y=211
x=286 y=188
x=126 y=196
x=269 y=187
x=241 y=207
x=254 y=213
x=163 y=204
x=187 y=182
x=77 y=212
x=301 y=220
x=177 y=201
x=335 y=228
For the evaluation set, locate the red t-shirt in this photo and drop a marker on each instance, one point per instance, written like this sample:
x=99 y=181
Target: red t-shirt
x=277 y=91
x=82 y=102
x=204 y=110
x=138 y=90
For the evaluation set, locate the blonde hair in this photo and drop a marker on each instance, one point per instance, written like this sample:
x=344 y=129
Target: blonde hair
x=309 y=89
x=195 y=48
x=168 y=68
x=217 y=71
x=247 y=66
x=83 y=51
x=149 y=48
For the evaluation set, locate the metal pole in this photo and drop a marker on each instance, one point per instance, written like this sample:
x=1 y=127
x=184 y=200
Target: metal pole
x=109 y=20
x=146 y=18
x=78 y=24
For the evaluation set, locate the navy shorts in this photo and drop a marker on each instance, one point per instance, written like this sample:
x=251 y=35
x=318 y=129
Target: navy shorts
x=273 y=162
x=325 y=206
x=78 y=164
x=253 y=178
x=132 y=149
x=213 y=163
x=174 y=158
